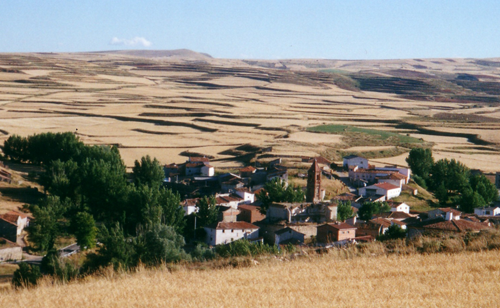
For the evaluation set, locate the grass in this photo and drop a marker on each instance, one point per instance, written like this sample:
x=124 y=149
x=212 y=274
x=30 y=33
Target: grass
x=378 y=134
x=336 y=279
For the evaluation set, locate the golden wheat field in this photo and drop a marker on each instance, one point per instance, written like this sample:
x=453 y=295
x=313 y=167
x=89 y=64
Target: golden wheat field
x=439 y=280
x=192 y=103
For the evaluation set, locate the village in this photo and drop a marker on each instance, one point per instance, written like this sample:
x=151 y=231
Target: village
x=313 y=221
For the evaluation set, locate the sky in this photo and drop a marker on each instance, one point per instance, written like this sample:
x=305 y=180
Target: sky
x=330 y=29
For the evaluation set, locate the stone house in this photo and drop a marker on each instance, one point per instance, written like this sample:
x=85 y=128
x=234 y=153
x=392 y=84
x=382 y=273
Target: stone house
x=227 y=232
x=250 y=213
x=12 y=225
x=288 y=235
x=334 y=232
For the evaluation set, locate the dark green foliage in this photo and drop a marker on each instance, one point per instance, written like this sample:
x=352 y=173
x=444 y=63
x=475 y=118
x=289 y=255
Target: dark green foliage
x=148 y=172
x=26 y=276
x=115 y=250
x=369 y=209
x=470 y=200
x=172 y=212
x=202 y=253
x=15 y=148
x=279 y=191
x=453 y=174
x=420 y=162
x=207 y=211
x=84 y=228
x=484 y=188
x=393 y=232
x=344 y=210
x=441 y=193
x=57 y=267
x=47 y=225
x=420 y=181
x=159 y=244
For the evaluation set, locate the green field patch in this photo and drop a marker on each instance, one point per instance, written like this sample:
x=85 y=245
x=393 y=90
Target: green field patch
x=377 y=134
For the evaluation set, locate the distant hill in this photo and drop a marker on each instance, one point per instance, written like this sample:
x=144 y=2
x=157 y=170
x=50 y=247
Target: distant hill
x=174 y=54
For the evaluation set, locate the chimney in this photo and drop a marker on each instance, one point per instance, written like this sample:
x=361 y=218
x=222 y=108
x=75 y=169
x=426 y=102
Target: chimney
x=449 y=216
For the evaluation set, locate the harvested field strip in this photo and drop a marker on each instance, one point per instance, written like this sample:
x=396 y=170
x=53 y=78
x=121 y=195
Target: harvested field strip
x=377 y=133
x=177 y=115
x=152 y=132
x=472 y=138
x=227 y=122
x=179 y=147
x=131 y=119
x=183 y=108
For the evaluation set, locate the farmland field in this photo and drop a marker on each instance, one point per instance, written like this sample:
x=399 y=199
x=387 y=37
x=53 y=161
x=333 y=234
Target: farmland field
x=333 y=280
x=170 y=108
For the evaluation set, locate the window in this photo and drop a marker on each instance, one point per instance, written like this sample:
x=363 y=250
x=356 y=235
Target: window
x=223 y=231
x=232 y=230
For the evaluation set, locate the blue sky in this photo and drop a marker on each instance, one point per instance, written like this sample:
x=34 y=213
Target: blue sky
x=348 y=29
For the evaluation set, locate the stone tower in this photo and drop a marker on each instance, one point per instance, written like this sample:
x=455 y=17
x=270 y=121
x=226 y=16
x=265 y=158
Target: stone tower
x=314 y=183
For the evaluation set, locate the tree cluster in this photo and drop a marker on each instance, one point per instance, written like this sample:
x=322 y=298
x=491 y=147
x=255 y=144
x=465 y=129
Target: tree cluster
x=451 y=180
x=279 y=191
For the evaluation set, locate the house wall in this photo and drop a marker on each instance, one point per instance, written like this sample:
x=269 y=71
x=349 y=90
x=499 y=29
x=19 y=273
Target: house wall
x=192 y=171
x=251 y=216
x=207 y=171
x=405 y=208
x=11 y=253
x=356 y=161
x=291 y=234
x=277 y=213
x=228 y=236
x=327 y=234
x=393 y=193
x=487 y=212
x=247 y=197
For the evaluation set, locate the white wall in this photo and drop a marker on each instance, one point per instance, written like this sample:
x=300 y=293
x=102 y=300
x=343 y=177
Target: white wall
x=226 y=236
x=356 y=161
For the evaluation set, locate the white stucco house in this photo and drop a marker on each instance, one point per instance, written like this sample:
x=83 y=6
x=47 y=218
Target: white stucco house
x=383 y=189
x=487 y=211
x=247 y=196
x=354 y=160
x=227 y=232
x=207 y=170
x=400 y=207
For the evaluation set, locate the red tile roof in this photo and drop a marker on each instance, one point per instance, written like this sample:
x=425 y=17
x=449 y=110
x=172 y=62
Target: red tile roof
x=386 y=186
x=248 y=207
x=247 y=169
x=13 y=216
x=339 y=225
x=235 y=225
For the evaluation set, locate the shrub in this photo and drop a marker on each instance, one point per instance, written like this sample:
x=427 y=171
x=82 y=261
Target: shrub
x=26 y=276
x=430 y=245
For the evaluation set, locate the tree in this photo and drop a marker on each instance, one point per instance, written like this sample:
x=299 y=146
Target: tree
x=83 y=226
x=148 y=172
x=26 y=276
x=46 y=228
x=483 y=186
x=115 y=250
x=16 y=148
x=393 y=232
x=453 y=174
x=470 y=200
x=172 y=212
x=344 y=210
x=207 y=211
x=159 y=244
x=420 y=162
x=441 y=193
x=279 y=191
x=368 y=209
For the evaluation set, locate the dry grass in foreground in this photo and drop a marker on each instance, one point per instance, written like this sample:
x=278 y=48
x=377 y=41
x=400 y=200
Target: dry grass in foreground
x=468 y=279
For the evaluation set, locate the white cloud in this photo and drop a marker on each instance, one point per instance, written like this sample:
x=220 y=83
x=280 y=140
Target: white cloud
x=136 y=41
